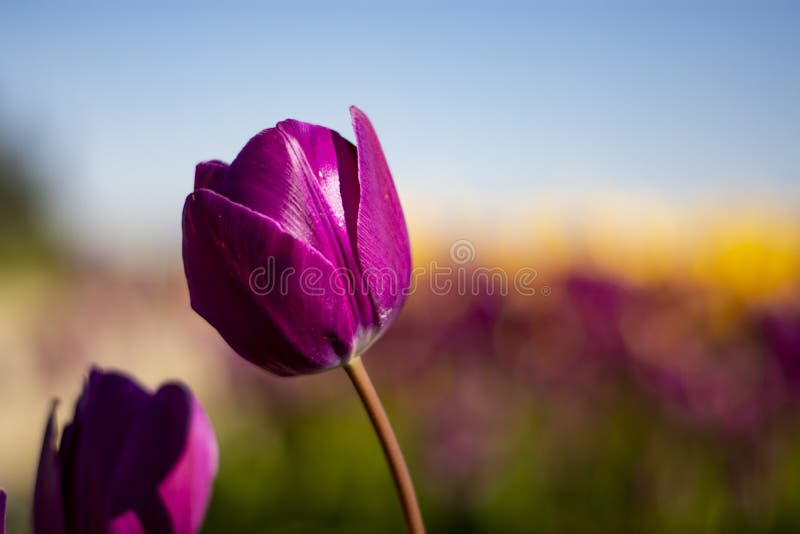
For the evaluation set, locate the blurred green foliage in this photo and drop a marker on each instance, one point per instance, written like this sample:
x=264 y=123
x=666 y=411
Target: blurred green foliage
x=25 y=236
x=624 y=466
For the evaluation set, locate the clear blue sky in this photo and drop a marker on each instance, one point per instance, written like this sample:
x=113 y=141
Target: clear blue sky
x=119 y=103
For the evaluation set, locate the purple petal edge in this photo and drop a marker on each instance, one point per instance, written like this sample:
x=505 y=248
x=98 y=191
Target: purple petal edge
x=48 y=506
x=2 y=511
x=382 y=240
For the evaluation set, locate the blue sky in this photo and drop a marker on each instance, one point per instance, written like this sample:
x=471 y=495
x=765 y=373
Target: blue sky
x=117 y=103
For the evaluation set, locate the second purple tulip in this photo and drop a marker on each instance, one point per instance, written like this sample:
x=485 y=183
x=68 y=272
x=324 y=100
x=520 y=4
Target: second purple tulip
x=130 y=462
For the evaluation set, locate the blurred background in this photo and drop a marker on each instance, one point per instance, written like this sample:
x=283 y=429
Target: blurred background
x=642 y=161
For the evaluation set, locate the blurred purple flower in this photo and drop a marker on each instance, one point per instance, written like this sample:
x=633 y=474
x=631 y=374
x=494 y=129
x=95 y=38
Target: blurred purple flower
x=782 y=336
x=473 y=334
x=725 y=397
x=599 y=304
x=130 y=461
x=718 y=380
x=297 y=252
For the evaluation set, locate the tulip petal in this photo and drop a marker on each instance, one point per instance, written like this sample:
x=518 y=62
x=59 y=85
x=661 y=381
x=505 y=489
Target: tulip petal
x=153 y=447
x=272 y=178
x=382 y=244
x=187 y=489
x=170 y=427
x=209 y=174
x=92 y=445
x=334 y=164
x=48 y=508
x=298 y=325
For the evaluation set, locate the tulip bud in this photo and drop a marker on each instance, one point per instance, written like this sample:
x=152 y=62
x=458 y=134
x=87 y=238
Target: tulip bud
x=297 y=252
x=130 y=461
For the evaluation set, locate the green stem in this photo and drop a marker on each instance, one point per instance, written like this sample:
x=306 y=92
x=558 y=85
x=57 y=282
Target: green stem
x=391 y=449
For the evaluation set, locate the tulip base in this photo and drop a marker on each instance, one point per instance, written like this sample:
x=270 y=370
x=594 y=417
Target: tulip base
x=391 y=448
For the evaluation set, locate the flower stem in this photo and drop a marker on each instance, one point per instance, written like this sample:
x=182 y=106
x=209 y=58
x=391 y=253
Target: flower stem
x=391 y=449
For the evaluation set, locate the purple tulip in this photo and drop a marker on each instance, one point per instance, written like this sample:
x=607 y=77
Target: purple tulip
x=130 y=461
x=297 y=252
